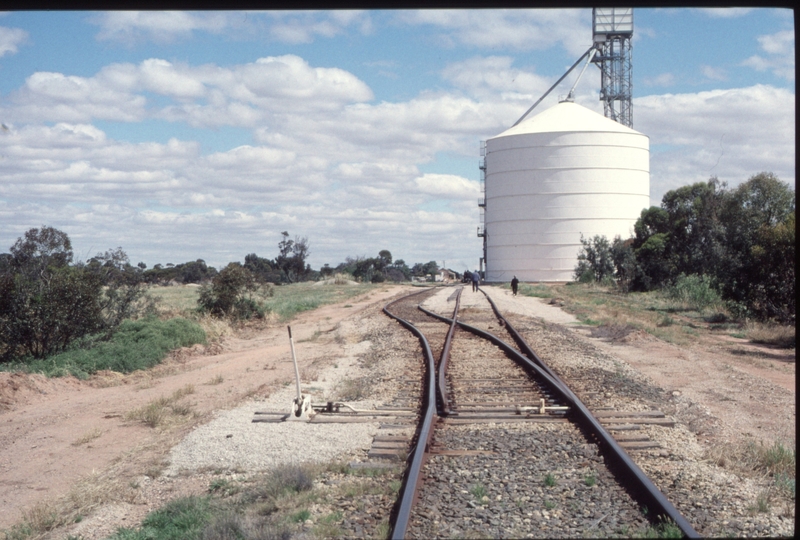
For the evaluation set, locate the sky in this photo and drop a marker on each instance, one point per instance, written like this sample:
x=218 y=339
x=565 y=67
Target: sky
x=180 y=136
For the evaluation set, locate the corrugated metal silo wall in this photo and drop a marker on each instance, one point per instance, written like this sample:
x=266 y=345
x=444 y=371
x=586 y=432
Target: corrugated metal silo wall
x=545 y=190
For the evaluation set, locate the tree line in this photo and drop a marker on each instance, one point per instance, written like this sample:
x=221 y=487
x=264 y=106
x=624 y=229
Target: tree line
x=48 y=301
x=740 y=242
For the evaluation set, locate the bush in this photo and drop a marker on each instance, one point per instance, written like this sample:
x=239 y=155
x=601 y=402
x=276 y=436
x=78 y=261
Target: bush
x=231 y=294
x=696 y=292
x=594 y=260
x=46 y=304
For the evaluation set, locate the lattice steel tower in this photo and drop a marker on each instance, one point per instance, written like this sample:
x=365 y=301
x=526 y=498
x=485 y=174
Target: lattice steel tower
x=613 y=29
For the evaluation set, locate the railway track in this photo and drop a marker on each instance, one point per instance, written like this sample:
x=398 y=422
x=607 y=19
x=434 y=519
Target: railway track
x=504 y=448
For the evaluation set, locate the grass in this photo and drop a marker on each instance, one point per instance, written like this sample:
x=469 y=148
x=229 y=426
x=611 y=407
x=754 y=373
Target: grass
x=289 y=300
x=143 y=343
x=219 y=379
x=181 y=519
x=549 y=480
x=776 y=461
x=288 y=501
x=159 y=411
x=88 y=437
x=135 y=346
x=676 y=315
x=590 y=480
x=351 y=390
x=664 y=529
x=771 y=334
x=478 y=491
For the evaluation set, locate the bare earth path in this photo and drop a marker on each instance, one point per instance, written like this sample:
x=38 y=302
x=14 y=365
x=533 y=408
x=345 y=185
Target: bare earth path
x=54 y=433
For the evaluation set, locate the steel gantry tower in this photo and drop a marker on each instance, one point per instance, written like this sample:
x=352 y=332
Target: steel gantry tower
x=613 y=29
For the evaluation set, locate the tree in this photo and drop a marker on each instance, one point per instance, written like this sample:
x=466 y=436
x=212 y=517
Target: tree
x=626 y=268
x=41 y=249
x=758 y=269
x=230 y=294
x=195 y=271
x=384 y=258
x=291 y=260
x=595 y=262
x=262 y=269
x=696 y=244
x=429 y=268
x=46 y=304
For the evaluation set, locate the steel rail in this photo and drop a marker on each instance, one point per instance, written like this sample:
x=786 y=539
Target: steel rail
x=523 y=345
x=408 y=490
x=642 y=487
x=443 y=359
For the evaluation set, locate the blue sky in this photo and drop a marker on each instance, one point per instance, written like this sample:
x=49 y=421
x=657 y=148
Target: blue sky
x=186 y=135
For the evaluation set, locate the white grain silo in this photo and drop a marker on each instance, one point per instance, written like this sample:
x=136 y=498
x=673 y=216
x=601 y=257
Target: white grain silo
x=563 y=173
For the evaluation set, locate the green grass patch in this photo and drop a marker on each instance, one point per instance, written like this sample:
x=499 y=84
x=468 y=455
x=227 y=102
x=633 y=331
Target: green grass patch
x=664 y=529
x=136 y=345
x=536 y=291
x=289 y=300
x=181 y=519
x=478 y=491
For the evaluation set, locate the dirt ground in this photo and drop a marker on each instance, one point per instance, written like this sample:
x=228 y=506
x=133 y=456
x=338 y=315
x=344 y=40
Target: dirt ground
x=57 y=432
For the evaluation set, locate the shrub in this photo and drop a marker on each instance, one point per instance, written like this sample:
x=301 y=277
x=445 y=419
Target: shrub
x=231 y=294
x=46 y=304
x=696 y=292
x=595 y=262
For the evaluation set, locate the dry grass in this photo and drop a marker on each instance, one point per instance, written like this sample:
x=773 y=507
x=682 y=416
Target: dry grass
x=163 y=409
x=219 y=379
x=652 y=312
x=775 y=462
x=309 y=373
x=351 y=390
x=771 y=334
x=88 y=437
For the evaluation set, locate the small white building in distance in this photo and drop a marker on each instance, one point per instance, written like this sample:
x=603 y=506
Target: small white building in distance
x=563 y=173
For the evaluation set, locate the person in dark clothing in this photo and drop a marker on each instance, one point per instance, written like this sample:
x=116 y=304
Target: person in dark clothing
x=476 y=277
x=514 y=285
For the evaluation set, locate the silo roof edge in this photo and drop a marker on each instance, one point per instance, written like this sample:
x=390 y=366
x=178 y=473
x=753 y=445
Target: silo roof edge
x=567 y=117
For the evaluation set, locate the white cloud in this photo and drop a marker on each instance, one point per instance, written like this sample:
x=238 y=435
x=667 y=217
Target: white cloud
x=493 y=75
x=518 y=29
x=448 y=185
x=243 y=95
x=732 y=134
x=725 y=13
x=780 y=50
x=714 y=73
x=663 y=79
x=158 y=26
x=10 y=39
x=293 y=27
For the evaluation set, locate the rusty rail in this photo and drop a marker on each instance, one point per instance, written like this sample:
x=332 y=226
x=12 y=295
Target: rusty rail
x=408 y=490
x=445 y=401
x=640 y=486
